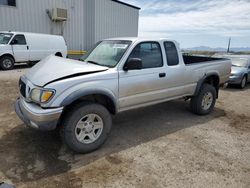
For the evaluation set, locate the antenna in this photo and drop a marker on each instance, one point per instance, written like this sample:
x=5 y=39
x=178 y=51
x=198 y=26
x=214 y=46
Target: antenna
x=229 y=43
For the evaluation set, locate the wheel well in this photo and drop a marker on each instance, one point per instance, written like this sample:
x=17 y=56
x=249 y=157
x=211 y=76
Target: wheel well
x=7 y=55
x=213 y=80
x=97 y=98
x=59 y=54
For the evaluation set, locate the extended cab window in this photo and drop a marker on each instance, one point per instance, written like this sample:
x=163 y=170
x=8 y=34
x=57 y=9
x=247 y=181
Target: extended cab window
x=19 y=40
x=149 y=53
x=171 y=53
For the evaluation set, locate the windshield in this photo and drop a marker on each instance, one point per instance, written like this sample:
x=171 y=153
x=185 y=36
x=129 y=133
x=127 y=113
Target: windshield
x=239 y=62
x=107 y=53
x=5 y=38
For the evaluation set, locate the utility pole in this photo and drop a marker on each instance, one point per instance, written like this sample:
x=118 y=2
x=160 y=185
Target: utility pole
x=229 y=43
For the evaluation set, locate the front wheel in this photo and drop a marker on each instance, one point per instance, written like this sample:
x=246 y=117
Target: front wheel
x=86 y=127
x=7 y=63
x=204 y=102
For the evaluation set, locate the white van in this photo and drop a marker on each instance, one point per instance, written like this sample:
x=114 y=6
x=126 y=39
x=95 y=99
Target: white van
x=16 y=47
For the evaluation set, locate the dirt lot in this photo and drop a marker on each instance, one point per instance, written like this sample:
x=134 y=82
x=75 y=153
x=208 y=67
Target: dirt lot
x=159 y=146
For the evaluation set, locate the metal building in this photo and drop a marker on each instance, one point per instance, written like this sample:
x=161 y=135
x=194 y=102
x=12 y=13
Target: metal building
x=81 y=22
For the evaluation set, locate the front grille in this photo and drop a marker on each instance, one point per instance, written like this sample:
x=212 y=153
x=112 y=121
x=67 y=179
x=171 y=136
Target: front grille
x=22 y=88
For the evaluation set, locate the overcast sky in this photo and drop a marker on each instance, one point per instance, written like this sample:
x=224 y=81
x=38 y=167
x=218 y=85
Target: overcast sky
x=196 y=22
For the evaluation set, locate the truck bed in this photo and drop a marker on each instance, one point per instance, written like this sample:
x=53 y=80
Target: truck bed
x=198 y=59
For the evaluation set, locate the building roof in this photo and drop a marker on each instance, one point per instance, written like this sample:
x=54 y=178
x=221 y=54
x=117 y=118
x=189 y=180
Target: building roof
x=129 y=5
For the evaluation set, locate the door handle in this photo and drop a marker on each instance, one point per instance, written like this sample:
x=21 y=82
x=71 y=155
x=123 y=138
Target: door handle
x=161 y=75
x=28 y=48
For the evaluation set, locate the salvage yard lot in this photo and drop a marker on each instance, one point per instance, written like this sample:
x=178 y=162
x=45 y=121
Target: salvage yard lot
x=158 y=146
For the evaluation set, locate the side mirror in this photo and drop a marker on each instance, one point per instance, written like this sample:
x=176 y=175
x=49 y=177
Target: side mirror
x=133 y=64
x=14 y=41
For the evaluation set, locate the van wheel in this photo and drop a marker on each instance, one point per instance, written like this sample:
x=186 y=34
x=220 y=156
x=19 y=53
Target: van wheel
x=86 y=127
x=7 y=63
x=204 y=102
x=58 y=54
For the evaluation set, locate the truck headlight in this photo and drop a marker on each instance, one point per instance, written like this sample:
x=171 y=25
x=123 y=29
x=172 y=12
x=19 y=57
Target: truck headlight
x=41 y=95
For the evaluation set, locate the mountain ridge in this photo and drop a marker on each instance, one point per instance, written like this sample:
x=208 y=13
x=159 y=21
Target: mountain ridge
x=206 y=48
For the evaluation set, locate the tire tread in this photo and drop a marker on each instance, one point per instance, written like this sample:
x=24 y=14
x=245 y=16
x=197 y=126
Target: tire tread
x=66 y=129
x=195 y=103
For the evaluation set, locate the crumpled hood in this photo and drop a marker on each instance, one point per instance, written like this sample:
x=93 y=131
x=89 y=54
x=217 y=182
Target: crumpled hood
x=53 y=68
x=237 y=70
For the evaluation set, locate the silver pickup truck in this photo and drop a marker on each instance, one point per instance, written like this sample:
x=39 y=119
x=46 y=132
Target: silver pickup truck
x=79 y=97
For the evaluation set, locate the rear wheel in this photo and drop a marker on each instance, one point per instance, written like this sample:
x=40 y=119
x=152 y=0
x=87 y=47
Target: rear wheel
x=86 y=127
x=7 y=63
x=204 y=102
x=243 y=82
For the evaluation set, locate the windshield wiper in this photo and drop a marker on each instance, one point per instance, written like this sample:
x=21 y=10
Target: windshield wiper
x=95 y=63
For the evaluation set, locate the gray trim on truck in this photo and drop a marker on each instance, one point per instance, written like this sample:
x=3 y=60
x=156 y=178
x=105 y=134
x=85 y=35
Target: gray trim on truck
x=203 y=80
x=83 y=92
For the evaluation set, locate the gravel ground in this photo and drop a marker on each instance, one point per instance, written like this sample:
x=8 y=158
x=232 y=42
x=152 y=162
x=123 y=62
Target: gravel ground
x=159 y=146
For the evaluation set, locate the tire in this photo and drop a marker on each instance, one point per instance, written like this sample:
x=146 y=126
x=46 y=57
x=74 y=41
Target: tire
x=204 y=102
x=58 y=54
x=243 y=82
x=82 y=140
x=7 y=63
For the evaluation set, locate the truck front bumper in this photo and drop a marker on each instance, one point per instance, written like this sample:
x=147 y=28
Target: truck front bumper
x=37 y=117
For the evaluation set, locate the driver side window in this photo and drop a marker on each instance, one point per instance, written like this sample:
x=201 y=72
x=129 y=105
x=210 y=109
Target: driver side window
x=150 y=54
x=19 y=40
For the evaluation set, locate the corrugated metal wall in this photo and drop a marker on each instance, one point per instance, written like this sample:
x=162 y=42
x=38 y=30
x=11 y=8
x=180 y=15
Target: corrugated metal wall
x=115 y=20
x=88 y=22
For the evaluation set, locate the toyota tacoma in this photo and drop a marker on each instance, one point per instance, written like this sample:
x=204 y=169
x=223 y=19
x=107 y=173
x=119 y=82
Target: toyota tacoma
x=79 y=97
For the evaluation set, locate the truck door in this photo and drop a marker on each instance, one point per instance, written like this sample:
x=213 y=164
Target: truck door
x=176 y=75
x=137 y=87
x=20 y=48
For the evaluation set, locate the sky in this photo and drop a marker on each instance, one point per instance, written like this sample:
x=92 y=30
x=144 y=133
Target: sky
x=196 y=22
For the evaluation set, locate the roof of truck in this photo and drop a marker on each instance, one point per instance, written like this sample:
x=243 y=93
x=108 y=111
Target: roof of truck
x=134 y=39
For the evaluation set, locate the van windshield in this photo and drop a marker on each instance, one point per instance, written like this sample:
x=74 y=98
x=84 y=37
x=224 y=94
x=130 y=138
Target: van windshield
x=107 y=53
x=5 y=38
